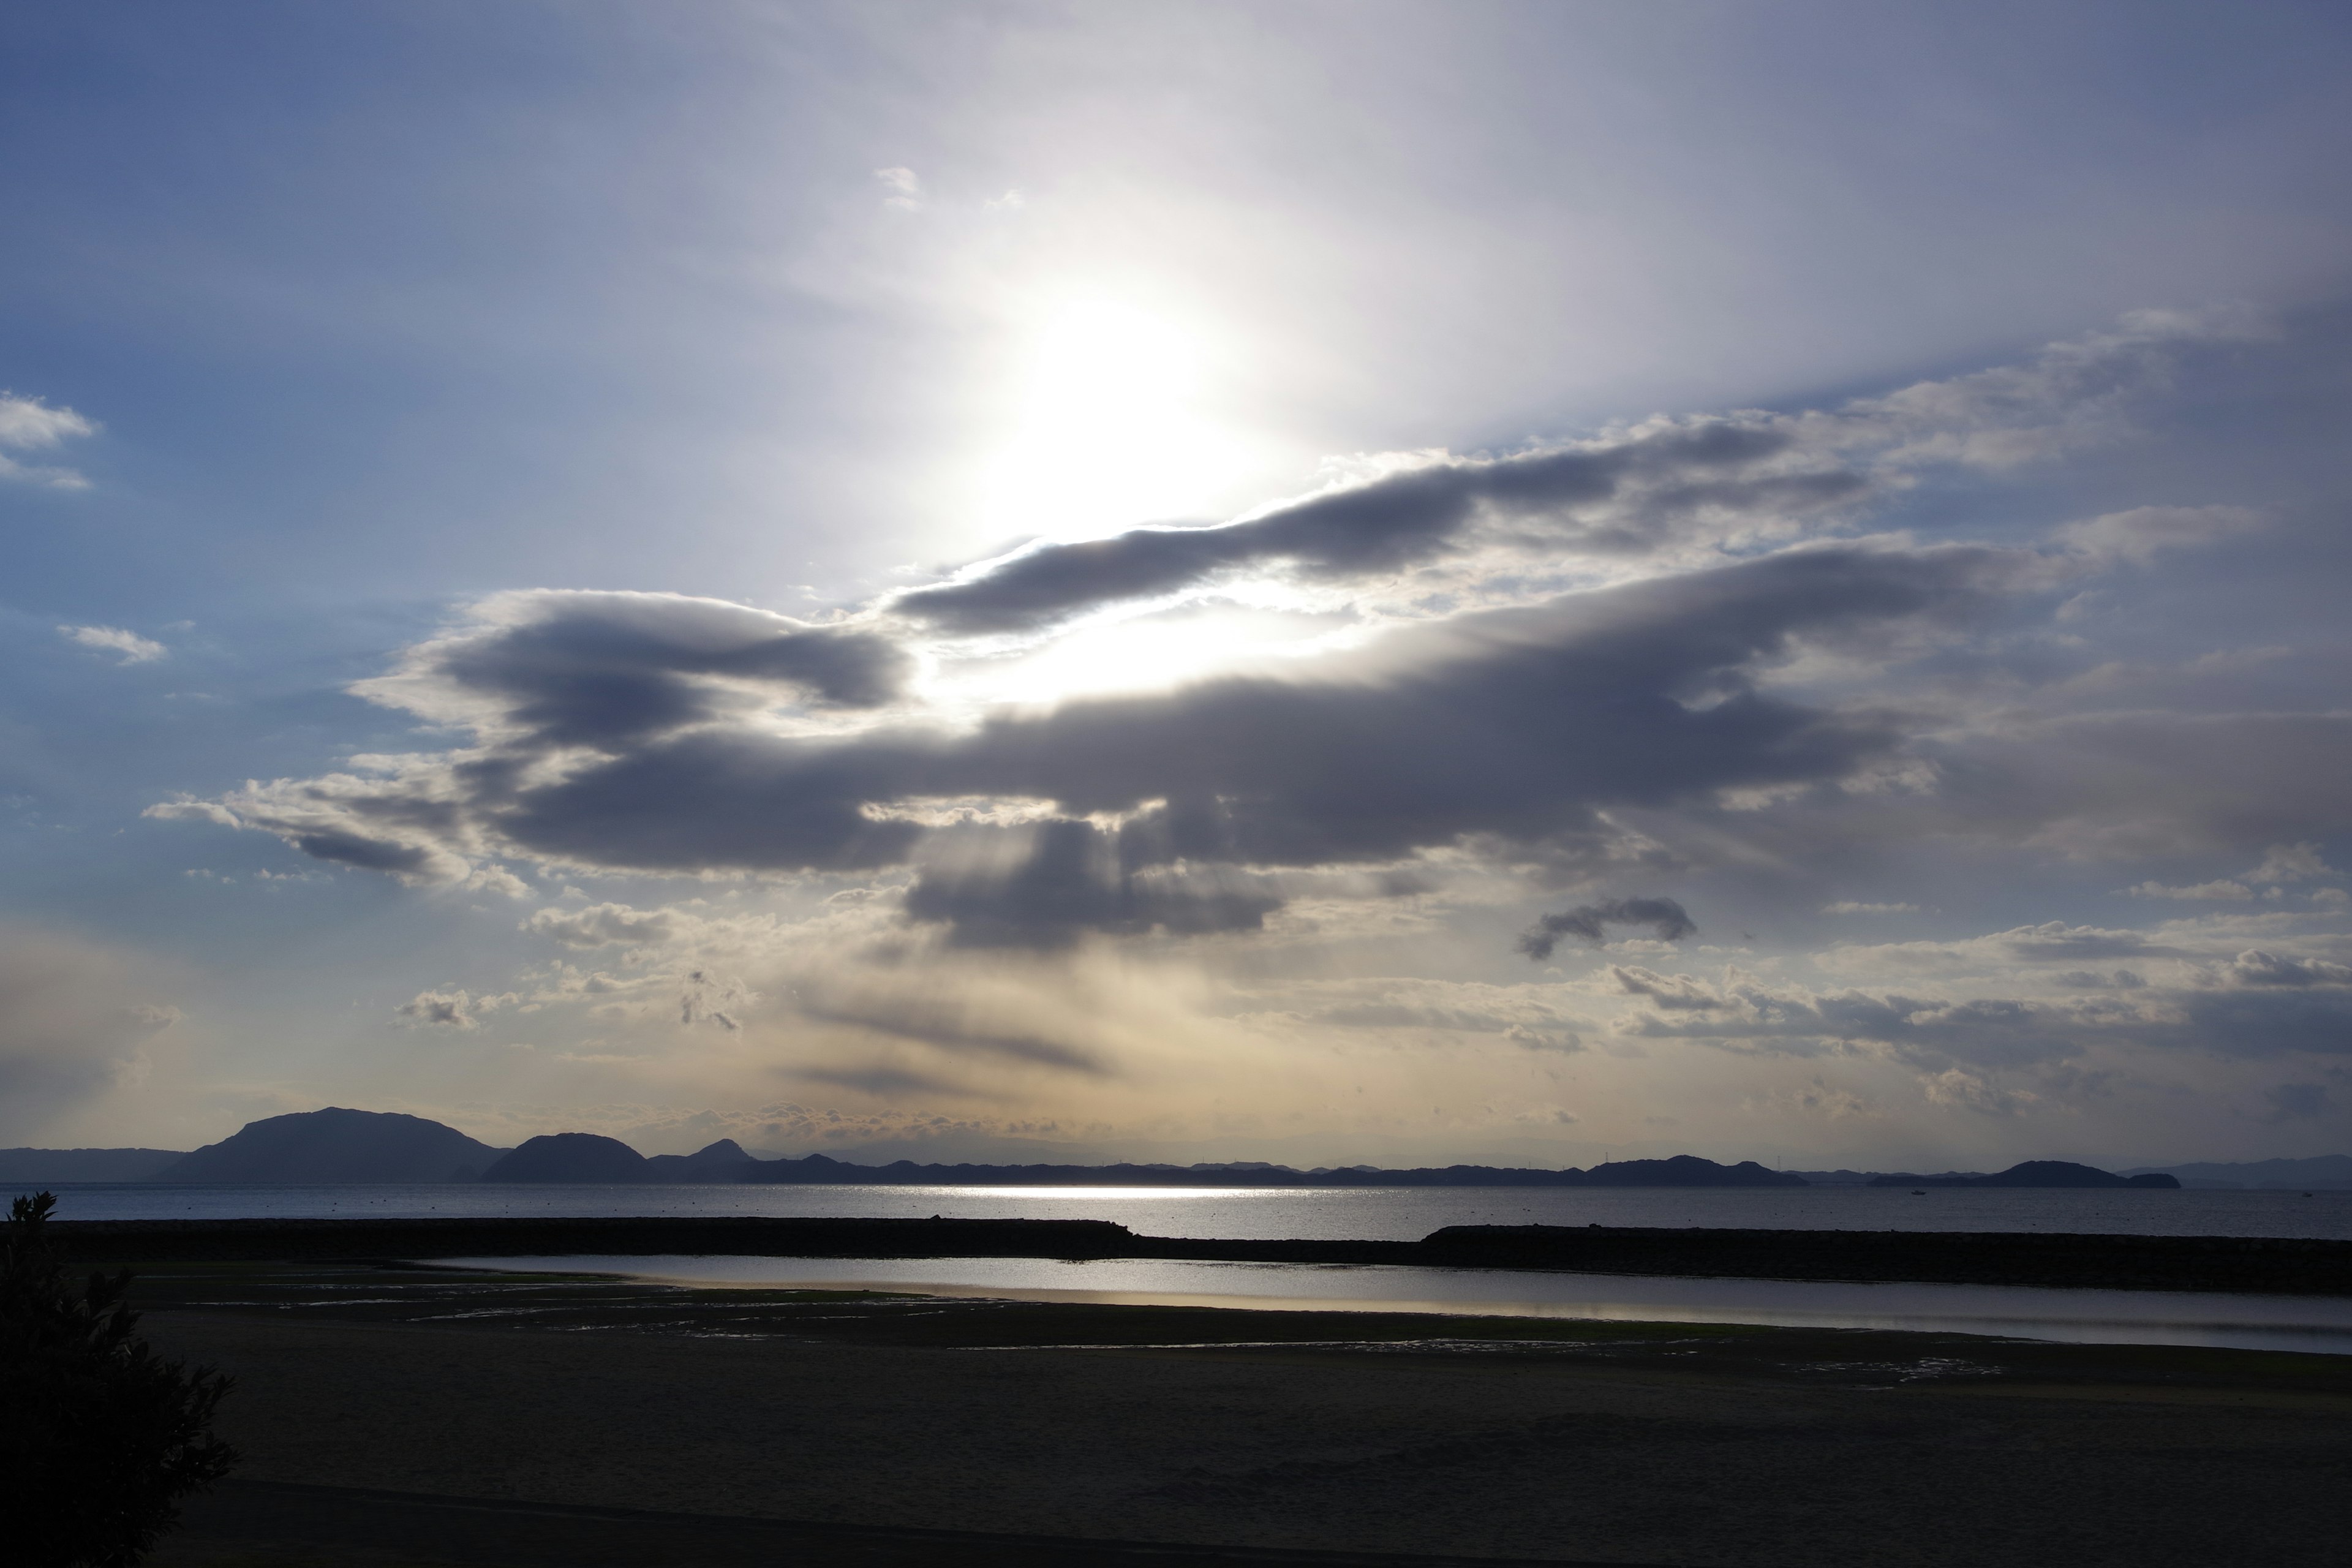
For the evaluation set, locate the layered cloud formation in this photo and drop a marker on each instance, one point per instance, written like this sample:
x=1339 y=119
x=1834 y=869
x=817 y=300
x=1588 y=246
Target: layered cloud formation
x=1621 y=674
x=1544 y=639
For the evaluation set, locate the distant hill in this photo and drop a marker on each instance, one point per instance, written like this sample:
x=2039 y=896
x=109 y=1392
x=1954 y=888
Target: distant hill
x=337 y=1145
x=2331 y=1172
x=2032 y=1174
x=36 y=1165
x=1682 y=1170
x=573 y=1157
x=720 y=1162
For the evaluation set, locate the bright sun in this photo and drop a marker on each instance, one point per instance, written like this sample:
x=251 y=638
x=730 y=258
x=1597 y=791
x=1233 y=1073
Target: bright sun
x=1106 y=424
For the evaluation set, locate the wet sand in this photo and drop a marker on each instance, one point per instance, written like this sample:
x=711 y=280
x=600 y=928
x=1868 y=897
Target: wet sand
x=1369 y=1433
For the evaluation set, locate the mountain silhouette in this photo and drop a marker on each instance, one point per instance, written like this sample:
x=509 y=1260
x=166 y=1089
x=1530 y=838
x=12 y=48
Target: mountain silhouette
x=337 y=1145
x=720 y=1161
x=573 y=1157
x=2032 y=1174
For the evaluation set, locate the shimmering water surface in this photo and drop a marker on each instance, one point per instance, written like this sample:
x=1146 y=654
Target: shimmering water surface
x=2318 y=1324
x=1384 y=1213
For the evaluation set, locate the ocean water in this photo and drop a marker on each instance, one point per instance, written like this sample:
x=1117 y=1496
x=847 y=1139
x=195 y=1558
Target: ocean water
x=2321 y=1325
x=1355 y=1214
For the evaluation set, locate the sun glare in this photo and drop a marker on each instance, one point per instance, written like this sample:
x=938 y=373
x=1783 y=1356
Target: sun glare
x=1137 y=654
x=1106 y=425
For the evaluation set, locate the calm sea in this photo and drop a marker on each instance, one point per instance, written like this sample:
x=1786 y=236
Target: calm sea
x=1388 y=1214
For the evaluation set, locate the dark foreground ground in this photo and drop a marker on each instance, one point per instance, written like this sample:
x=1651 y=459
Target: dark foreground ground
x=395 y=1416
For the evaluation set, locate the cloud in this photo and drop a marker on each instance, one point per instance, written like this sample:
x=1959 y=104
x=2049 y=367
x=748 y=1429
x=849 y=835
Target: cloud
x=1966 y=1090
x=134 y=649
x=451 y=1009
x=496 y=880
x=74 y=1024
x=559 y=668
x=1731 y=702
x=618 y=747
x=2256 y=1004
x=2074 y=394
x=1730 y=481
x=1849 y=907
x=2211 y=892
x=1816 y=1097
x=29 y=425
x=604 y=925
x=705 y=997
x=2055 y=941
x=2291 y=863
x=1665 y=918
x=1623 y=495
x=2255 y=967
x=2137 y=536
x=902 y=189
x=1528 y=1017
x=186 y=809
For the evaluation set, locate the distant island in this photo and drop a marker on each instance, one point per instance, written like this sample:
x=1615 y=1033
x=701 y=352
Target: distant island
x=337 y=1145
x=2033 y=1173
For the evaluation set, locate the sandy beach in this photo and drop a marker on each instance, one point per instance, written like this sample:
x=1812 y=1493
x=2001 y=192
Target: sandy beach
x=1347 y=1432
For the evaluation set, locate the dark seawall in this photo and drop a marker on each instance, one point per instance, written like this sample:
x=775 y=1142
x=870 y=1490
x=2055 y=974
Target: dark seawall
x=2269 y=1266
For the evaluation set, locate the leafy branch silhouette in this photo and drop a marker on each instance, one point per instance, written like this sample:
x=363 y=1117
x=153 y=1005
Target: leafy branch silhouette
x=100 y=1436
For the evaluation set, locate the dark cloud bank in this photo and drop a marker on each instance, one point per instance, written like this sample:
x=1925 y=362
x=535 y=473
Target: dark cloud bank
x=1625 y=497
x=618 y=737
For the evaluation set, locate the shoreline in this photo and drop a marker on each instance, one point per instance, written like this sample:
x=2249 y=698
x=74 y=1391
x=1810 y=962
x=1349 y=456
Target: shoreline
x=2243 y=1265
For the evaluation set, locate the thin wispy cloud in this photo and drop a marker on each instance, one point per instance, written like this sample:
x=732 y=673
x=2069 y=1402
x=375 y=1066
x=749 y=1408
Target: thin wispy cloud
x=128 y=646
x=28 y=425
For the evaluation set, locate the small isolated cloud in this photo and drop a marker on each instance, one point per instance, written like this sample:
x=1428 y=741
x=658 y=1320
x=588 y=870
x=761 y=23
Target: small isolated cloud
x=449 y=1009
x=1664 y=916
x=1965 y=1091
x=2225 y=891
x=707 y=998
x=185 y=809
x=604 y=925
x=29 y=425
x=902 y=189
x=134 y=649
x=1849 y=907
x=497 y=880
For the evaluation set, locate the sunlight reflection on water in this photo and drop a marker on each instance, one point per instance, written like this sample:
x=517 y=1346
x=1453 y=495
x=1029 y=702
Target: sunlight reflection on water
x=1379 y=1214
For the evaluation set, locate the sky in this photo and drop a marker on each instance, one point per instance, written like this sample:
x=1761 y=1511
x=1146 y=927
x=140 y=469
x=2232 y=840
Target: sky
x=1334 y=583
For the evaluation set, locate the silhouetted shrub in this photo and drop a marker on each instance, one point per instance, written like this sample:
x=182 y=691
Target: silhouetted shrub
x=100 y=1436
